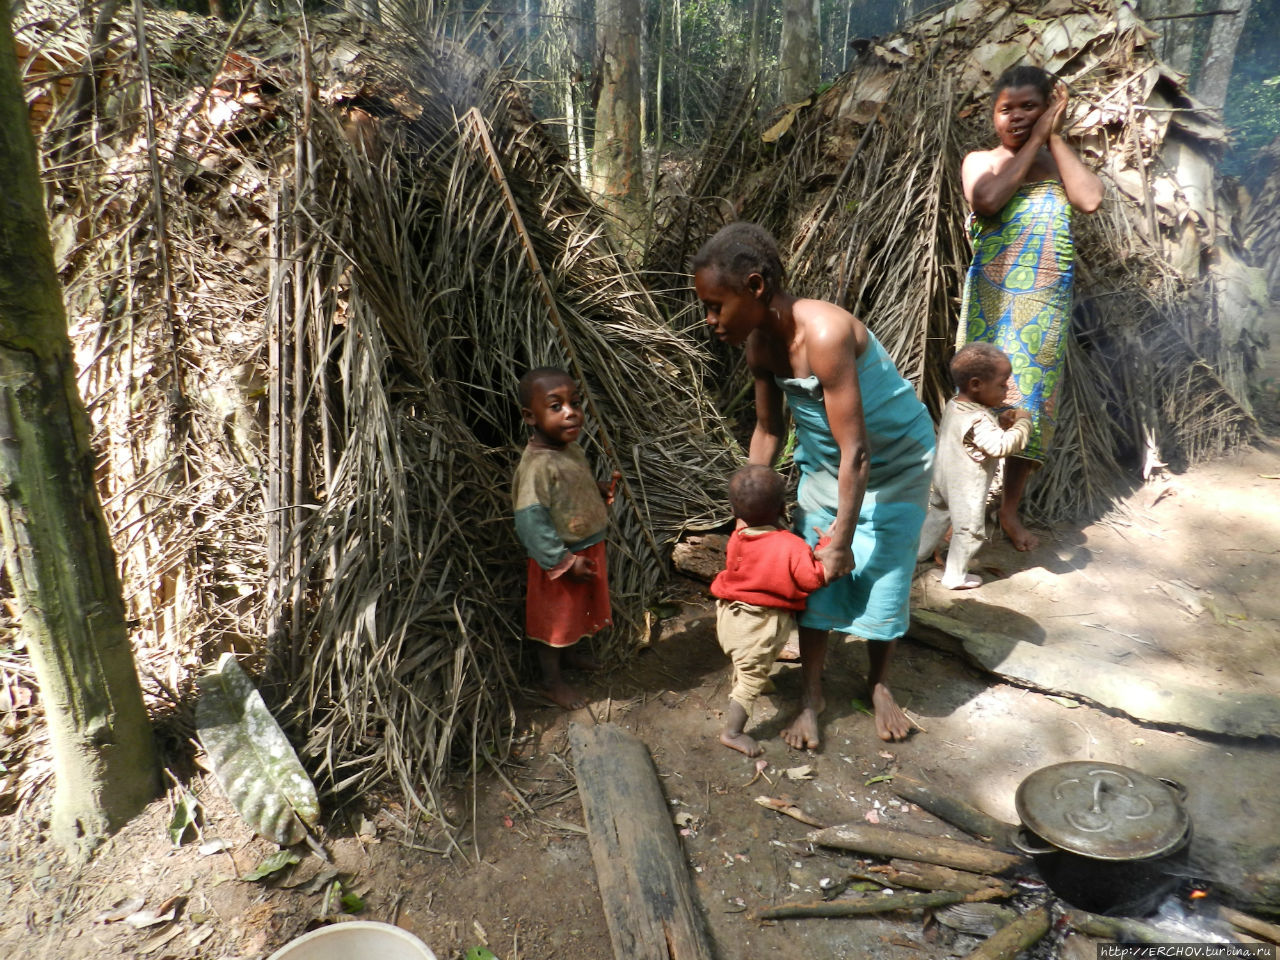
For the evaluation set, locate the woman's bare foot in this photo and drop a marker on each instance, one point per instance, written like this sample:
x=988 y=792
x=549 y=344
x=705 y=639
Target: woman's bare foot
x=891 y=722
x=563 y=695
x=803 y=732
x=576 y=659
x=1021 y=538
x=741 y=742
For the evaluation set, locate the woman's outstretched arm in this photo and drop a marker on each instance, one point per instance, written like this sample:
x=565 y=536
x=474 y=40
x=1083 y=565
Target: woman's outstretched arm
x=766 y=438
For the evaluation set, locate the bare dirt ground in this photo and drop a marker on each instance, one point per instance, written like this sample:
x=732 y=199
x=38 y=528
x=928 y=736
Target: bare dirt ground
x=1182 y=586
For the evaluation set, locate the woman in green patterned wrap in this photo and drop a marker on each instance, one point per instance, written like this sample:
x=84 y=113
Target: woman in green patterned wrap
x=1017 y=295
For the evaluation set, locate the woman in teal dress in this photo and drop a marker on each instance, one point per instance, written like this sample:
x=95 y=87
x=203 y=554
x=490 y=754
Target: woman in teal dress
x=1017 y=294
x=864 y=446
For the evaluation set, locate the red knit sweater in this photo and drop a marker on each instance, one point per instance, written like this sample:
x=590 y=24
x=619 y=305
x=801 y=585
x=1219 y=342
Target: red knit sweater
x=769 y=568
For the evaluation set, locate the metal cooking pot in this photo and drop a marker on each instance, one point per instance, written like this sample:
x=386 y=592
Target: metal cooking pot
x=1102 y=833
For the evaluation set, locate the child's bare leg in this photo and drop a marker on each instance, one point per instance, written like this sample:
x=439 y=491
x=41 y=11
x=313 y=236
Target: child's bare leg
x=803 y=732
x=735 y=718
x=1016 y=472
x=553 y=682
x=891 y=722
x=579 y=657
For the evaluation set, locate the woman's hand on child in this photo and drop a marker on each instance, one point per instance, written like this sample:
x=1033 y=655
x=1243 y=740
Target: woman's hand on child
x=836 y=561
x=582 y=570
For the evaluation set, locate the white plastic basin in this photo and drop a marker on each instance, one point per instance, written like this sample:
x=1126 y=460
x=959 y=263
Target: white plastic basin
x=355 y=940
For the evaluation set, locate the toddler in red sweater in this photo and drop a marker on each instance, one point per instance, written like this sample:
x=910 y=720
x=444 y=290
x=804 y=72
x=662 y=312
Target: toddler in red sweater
x=769 y=573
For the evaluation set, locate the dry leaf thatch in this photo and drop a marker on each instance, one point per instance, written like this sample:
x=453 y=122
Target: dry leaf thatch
x=305 y=264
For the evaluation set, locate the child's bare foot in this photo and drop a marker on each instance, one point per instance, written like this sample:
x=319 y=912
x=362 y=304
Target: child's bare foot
x=1021 y=538
x=791 y=651
x=565 y=696
x=891 y=722
x=741 y=742
x=576 y=659
x=803 y=732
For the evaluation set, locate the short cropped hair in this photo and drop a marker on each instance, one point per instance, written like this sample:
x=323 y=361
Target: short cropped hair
x=738 y=250
x=756 y=494
x=531 y=379
x=1024 y=75
x=978 y=359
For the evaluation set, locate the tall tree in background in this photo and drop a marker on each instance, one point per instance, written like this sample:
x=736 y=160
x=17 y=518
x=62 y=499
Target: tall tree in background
x=800 y=50
x=1176 y=22
x=616 y=169
x=1220 y=55
x=57 y=550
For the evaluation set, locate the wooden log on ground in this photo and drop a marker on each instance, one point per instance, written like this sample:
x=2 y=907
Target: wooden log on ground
x=955 y=811
x=884 y=841
x=701 y=557
x=930 y=876
x=862 y=907
x=644 y=881
x=1243 y=921
x=1113 y=928
x=1007 y=942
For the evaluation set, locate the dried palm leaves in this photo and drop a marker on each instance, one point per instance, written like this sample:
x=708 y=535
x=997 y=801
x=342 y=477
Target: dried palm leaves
x=302 y=377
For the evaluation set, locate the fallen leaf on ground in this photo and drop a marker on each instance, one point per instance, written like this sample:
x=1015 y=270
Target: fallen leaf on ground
x=800 y=773
x=120 y=910
x=211 y=847
x=871 y=816
x=861 y=707
x=878 y=779
x=1064 y=701
x=277 y=861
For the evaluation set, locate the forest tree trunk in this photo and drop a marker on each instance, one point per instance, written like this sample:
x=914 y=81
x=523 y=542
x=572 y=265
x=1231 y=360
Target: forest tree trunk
x=800 y=50
x=1177 y=35
x=57 y=549
x=616 y=169
x=1220 y=55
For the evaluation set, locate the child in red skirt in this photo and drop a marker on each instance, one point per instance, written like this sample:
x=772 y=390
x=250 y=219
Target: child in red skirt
x=561 y=520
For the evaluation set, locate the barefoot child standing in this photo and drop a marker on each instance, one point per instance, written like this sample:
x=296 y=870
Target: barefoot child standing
x=561 y=519
x=768 y=573
x=970 y=444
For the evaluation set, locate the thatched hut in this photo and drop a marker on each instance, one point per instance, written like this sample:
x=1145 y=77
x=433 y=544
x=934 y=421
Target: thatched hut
x=862 y=186
x=305 y=264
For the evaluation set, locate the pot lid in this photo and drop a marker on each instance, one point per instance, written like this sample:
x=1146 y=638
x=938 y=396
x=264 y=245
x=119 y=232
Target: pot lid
x=1103 y=810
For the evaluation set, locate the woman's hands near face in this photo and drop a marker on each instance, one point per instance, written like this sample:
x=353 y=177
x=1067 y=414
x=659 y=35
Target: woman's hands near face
x=1054 y=116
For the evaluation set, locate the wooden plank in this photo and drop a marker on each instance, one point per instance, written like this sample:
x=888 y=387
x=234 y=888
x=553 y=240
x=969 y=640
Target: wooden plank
x=1137 y=694
x=644 y=881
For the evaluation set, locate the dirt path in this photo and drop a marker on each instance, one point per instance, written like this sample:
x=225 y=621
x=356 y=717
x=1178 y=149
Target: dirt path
x=1121 y=593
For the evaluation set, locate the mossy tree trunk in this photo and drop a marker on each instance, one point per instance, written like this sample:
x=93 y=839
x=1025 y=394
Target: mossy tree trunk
x=57 y=549
x=615 y=157
x=800 y=50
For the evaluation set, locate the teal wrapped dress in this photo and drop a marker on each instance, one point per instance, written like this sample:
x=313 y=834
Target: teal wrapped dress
x=872 y=601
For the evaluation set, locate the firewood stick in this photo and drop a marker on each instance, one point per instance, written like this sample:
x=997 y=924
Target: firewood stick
x=1242 y=921
x=861 y=907
x=929 y=876
x=884 y=841
x=956 y=812
x=1007 y=942
x=1114 y=928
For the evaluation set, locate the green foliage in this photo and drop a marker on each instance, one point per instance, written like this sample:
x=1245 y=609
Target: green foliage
x=1252 y=110
x=252 y=758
